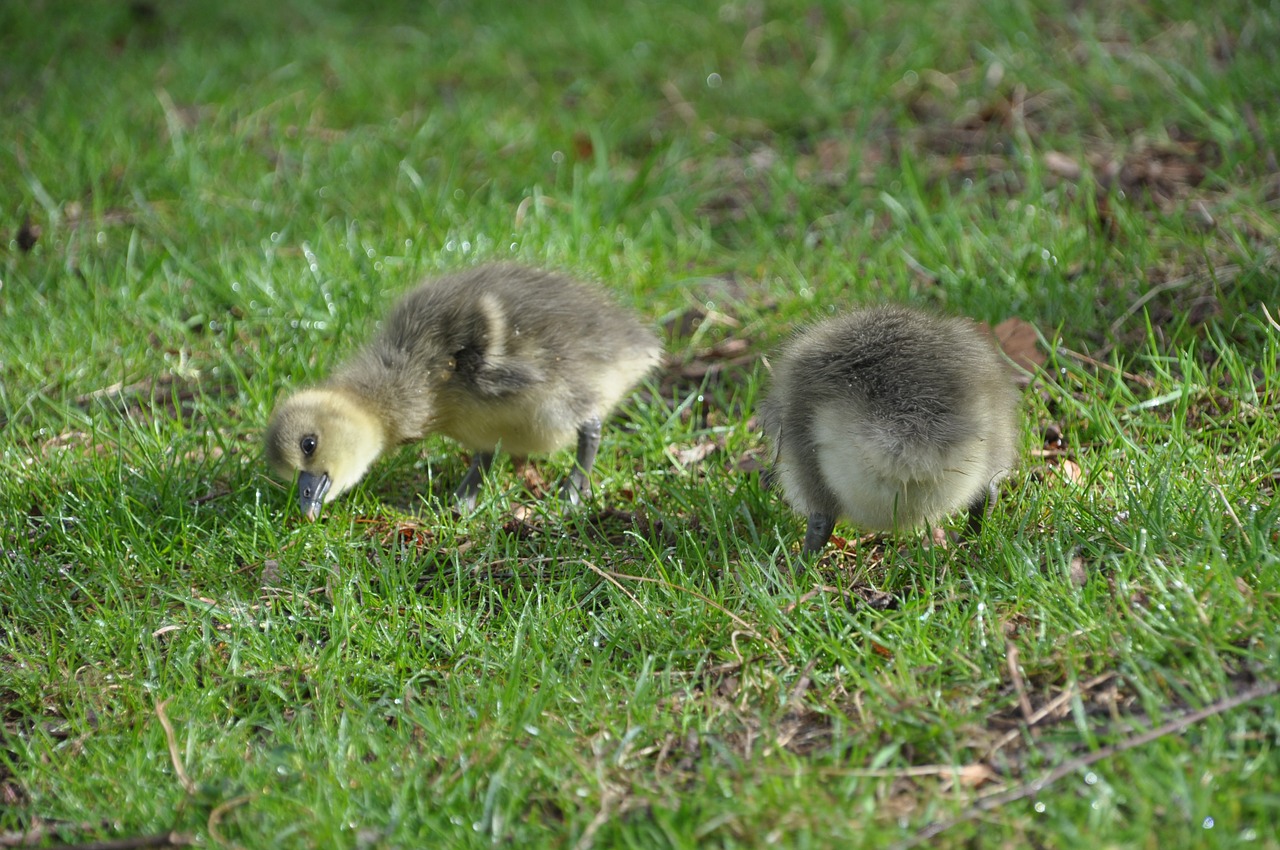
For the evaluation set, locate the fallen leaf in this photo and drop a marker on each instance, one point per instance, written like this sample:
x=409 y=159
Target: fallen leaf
x=1079 y=576
x=689 y=455
x=1061 y=165
x=1020 y=341
x=1070 y=470
x=270 y=573
x=750 y=461
x=975 y=775
x=583 y=147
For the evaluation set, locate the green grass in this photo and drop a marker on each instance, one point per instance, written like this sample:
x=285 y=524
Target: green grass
x=227 y=200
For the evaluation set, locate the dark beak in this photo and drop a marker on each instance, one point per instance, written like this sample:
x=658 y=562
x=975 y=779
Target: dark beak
x=311 y=490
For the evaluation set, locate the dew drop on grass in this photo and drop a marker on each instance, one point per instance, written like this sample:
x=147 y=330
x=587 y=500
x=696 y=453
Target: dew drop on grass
x=1091 y=778
x=714 y=81
x=1040 y=807
x=532 y=730
x=1208 y=823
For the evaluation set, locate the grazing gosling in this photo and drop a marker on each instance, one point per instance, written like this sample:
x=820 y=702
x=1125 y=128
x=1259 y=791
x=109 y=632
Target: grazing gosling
x=496 y=355
x=890 y=418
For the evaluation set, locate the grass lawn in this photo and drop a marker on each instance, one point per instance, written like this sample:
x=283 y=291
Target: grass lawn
x=205 y=205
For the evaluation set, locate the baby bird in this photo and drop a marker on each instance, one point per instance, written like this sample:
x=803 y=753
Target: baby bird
x=890 y=418
x=498 y=354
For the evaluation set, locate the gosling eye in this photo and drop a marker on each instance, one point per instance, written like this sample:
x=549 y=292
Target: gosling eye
x=308 y=445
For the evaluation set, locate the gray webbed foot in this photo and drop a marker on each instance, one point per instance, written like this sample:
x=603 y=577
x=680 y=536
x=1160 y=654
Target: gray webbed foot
x=469 y=489
x=981 y=509
x=577 y=487
x=818 y=532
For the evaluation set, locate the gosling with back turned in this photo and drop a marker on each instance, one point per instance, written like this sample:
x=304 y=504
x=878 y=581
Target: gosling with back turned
x=495 y=355
x=890 y=418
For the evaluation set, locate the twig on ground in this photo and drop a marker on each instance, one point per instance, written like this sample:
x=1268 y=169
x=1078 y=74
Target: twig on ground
x=605 y=575
x=1272 y=321
x=746 y=627
x=802 y=685
x=40 y=829
x=1028 y=789
x=1107 y=367
x=587 y=838
x=681 y=105
x=1222 y=274
x=174 y=755
x=165 y=839
x=1231 y=512
x=220 y=811
x=1019 y=687
x=1045 y=710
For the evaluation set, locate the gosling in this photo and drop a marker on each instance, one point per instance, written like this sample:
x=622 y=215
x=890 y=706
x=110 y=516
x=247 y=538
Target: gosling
x=890 y=418
x=496 y=355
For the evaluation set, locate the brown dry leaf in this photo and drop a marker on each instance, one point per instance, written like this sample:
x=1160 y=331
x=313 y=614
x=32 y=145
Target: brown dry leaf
x=1020 y=341
x=1079 y=575
x=750 y=461
x=404 y=532
x=690 y=455
x=975 y=775
x=270 y=575
x=829 y=163
x=936 y=538
x=1070 y=470
x=880 y=649
x=583 y=148
x=532 y=477
x=729 y=353
x=1063 y=166
x=1244 y=589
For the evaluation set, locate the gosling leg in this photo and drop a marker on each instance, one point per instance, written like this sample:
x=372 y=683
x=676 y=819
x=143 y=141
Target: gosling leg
x=578 y=485
x=469 y=489
x=818 y=533
x=981 y=509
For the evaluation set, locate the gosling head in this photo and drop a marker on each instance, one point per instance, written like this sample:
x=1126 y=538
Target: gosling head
x=326 y=439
